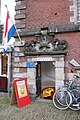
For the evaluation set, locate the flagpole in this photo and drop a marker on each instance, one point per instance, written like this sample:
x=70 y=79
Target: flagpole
x=18 y=35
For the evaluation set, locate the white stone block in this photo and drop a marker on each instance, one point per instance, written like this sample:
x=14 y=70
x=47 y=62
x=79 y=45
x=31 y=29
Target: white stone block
x=59 y=64
x=18 y=3
x=19 y=75
x=19 y=64
x=16 y=49
x=16 y=59
x=72 y=19
x=59 y=83
x=72 y=8
x=16 y=70
x=59 y=73
x=61 y=58
x=19 y=43
x=18 y=54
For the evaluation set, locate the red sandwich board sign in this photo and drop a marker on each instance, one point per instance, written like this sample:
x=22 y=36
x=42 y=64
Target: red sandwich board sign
x=21 y=90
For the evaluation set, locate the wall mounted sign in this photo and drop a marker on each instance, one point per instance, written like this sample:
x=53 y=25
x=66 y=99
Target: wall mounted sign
x=21 y=90
x=44 y=59
x=74 y=63
x=30 y=64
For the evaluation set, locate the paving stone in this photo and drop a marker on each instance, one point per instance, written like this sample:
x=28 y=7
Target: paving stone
x=35 y=111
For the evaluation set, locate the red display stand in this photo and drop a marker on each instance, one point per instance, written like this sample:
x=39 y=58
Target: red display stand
x=21 y=90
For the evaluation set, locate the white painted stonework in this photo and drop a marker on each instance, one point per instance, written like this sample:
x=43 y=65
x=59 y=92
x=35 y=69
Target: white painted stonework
x=18 y=54
x=58 y=72
x=19 y=43
x=16 y=59
x=59 y=83
x=31 y=80
x=19 y=64
x=52 y=72
x=16 y=70
x=19 y=75
x=73 y=8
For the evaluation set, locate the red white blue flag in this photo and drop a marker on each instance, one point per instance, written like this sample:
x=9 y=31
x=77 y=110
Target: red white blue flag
x=9 y=30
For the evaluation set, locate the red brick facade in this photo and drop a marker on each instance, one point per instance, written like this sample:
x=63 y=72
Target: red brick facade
x=46 y=13
x=56 y=15
x=40 y=13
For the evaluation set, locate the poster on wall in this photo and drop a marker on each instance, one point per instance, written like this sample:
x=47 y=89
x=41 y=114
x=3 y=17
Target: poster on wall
x=21 y=90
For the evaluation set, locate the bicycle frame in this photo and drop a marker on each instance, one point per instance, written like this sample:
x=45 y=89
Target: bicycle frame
x=70 y=90
x=66 y=96
x=73 y=80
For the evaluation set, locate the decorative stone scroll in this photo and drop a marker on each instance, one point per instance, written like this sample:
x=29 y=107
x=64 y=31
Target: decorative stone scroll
x=45 y=43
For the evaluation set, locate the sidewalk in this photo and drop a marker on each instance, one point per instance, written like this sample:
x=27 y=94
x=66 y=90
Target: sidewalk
x=34 y=111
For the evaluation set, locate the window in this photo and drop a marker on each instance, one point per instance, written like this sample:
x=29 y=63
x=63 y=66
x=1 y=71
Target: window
x=4 y=64
x=78 y=10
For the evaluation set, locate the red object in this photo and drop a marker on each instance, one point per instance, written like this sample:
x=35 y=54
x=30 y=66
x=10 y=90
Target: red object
x=3 y=84
x=21 y=90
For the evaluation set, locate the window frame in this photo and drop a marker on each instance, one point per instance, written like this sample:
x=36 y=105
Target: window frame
x=4 y=66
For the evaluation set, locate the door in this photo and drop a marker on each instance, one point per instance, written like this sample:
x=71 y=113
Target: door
x=38 y=78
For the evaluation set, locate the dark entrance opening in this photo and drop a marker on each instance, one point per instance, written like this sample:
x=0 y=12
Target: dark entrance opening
x=45 y=79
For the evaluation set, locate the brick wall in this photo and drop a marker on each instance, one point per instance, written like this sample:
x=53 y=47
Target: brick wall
x=45 y=13
x=73 y=48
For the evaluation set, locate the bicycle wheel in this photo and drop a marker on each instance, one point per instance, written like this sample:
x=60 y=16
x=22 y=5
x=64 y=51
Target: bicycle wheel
x=60 y=99
x=75 y=105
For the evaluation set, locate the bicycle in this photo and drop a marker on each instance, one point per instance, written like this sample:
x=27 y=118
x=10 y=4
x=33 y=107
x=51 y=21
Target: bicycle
x=68 y=96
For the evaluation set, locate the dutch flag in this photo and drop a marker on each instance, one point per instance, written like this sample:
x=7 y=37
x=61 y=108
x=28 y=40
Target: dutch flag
x=9 y=30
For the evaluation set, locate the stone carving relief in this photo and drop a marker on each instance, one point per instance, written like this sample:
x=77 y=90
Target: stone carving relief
x=45 y=43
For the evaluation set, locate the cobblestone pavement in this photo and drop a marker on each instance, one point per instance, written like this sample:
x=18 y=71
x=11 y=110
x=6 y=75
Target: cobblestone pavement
x=35 y=111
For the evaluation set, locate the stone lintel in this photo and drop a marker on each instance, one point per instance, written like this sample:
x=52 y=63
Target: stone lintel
x=53 y=56
x=46 y=53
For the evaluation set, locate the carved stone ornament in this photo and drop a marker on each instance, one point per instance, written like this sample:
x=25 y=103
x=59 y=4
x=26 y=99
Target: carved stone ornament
x=45 y=44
